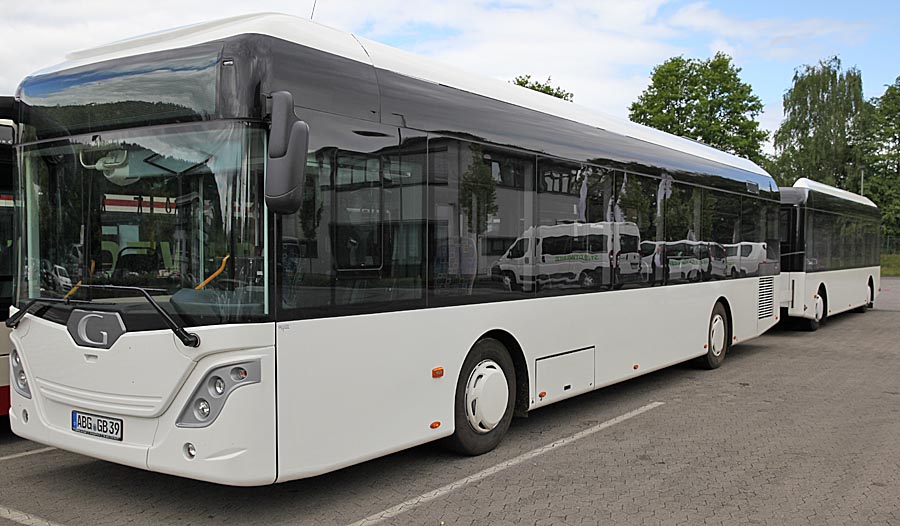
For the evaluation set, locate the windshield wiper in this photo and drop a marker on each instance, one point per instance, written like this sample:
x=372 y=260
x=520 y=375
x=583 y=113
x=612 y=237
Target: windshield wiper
x=13 y=321
x=189 y=339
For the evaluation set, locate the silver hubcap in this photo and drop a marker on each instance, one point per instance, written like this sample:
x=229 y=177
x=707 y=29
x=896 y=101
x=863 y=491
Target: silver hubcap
x=717 y=335
x=487 y=395
x=507 y=282
x=587 y=280
x=820 y=307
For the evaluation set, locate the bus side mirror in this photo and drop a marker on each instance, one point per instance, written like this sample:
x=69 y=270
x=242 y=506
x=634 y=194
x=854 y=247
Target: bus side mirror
x=288 y=144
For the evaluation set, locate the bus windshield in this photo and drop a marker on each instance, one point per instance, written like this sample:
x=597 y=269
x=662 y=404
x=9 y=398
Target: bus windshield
x=175 y=209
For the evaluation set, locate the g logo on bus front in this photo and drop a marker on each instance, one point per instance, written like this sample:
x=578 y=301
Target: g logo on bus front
x=98 y=330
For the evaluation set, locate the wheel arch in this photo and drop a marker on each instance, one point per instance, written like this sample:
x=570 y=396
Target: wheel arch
x=823 y=291
x=523 y=387
x=725 y=303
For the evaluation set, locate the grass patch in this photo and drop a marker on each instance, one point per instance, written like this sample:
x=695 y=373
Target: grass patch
x=890 y=264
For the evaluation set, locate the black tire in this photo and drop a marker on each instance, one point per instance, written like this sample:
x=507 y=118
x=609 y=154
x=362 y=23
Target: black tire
x=715 y=355
x=813 y=325
x=588 y=279
x=466 y=439
x=862 y=309
x=509 y=281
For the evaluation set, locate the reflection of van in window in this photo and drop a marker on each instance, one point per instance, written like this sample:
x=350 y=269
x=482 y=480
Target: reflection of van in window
x=687 y=260
x=572 y=254
x=744 y=258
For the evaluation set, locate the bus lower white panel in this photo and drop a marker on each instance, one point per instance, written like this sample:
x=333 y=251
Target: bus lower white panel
x=563 y=376
x=355 y=388
x=844 y=290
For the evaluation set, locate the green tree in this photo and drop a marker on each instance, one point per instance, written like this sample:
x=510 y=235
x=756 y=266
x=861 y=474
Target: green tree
x=478 y=193
x=703 y=100
x=544 y=87
x=879 y=148
x=817 y=138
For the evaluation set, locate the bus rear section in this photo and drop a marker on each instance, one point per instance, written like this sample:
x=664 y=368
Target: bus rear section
x=830 y=252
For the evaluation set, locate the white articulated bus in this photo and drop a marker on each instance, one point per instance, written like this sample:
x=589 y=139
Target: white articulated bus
x=7 y=203
x=280 y=239
x=830 y=252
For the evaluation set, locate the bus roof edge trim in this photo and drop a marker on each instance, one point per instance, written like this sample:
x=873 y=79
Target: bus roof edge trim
x=312 y=34
x=809 y=184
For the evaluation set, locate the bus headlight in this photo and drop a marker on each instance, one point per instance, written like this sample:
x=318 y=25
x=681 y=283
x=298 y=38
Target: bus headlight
x=210 y=395
x=17 y=372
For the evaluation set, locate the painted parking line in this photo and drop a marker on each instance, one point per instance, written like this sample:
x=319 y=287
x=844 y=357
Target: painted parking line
x=28 y=453
x=24 y=518
x=425 y=498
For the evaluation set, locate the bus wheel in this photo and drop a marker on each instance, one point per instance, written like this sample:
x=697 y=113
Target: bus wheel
x=485 y=399
x=718 y=340
x=820 y=312
x=862 y=309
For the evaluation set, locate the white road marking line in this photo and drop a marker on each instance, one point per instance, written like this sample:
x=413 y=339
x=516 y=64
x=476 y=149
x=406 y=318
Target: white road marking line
x=27 y=453
x=24 y=518
x=411 y=504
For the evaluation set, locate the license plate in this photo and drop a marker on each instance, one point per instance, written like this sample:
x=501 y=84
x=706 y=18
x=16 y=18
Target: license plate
x=96 y=425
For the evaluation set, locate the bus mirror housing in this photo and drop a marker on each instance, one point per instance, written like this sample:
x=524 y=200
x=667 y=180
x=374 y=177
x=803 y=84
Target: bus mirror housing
x=288 y=144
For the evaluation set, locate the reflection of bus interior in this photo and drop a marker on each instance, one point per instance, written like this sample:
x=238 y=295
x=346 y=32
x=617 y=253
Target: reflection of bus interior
x=572 y=254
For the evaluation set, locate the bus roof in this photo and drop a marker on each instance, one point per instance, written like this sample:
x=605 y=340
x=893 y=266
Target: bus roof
x=311 y=34
x=809 y=184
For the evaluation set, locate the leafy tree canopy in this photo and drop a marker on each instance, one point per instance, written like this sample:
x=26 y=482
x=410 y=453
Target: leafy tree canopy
x=879 y=149
x=817 y=138
x=704 y=100
x=544 y=87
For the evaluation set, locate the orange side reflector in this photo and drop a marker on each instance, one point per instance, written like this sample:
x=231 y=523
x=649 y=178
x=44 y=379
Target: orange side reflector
x=437 y=372
x=735 y=337
x=542 y=394
x=435 y=425
x=635 y=367
x=705 y=346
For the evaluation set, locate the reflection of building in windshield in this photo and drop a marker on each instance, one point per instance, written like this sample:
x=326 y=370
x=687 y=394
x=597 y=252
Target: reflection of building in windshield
x=165 y=210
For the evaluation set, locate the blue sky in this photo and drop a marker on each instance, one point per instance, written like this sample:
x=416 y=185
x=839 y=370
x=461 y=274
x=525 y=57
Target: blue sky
x=602 y=50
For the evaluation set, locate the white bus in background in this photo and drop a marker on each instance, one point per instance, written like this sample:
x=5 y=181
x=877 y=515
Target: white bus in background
x=345 y=231
x=589 y=255
x=830 y=252
x=7 y=212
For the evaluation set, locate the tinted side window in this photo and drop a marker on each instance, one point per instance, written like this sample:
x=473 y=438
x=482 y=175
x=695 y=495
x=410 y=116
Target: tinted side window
x=640 y=202
x=574 y=225
x=683 y=215
x=357 y=244
x=481 y=197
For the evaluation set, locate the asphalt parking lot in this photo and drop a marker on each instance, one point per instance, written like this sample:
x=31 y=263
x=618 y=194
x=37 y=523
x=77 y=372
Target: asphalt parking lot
x=795 y=428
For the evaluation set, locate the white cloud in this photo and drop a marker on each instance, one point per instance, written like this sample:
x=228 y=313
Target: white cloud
x=771 y=38
x=769 y=120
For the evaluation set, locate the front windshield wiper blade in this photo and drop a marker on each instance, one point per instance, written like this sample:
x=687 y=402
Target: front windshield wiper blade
x=189 y=339
x=13 y=321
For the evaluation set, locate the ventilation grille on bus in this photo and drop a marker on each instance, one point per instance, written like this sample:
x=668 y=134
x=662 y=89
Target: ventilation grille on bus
x=766 y=297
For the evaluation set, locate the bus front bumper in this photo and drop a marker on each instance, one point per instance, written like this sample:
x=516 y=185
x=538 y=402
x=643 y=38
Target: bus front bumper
x=237 y=448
